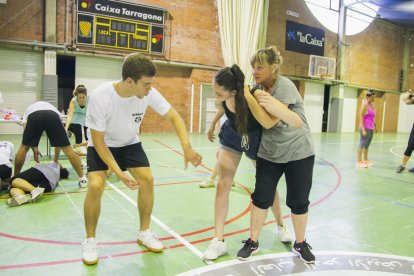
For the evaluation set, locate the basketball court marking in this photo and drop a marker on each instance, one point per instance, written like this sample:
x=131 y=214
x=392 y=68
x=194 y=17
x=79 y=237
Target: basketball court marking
x=163 y=226
x=327 y=263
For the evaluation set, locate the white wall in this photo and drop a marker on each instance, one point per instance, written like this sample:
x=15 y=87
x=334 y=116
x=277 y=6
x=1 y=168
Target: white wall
x=350 y=109
x=314 y=94
x=93 y=71
x=349 y=96
x=405 y=117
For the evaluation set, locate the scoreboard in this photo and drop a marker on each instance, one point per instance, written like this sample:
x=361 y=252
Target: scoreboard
x=120 y=25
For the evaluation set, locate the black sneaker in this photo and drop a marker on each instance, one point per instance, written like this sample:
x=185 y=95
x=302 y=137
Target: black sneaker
x=400 y=169
x=250 y=247
x=302 y=250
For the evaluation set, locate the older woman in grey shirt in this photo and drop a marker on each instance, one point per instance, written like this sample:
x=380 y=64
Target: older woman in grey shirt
x=286 y=148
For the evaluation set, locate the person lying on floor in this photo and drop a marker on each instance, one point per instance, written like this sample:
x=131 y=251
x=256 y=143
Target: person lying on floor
x=29 y=185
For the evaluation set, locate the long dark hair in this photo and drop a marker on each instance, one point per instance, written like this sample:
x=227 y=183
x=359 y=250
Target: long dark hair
x=232 y=78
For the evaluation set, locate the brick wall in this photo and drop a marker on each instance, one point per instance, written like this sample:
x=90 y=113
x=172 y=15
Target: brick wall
x=22 y=20
x=192 y=36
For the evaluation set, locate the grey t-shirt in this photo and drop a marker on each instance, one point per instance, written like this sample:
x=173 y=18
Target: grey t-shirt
x=282 y=143
x=51 y=171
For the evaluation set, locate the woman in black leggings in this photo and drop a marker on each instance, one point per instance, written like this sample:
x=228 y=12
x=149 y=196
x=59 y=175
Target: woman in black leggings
x=408 y=98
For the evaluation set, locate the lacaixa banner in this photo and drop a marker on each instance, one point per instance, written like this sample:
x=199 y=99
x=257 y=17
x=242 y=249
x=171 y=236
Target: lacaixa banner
x=304 y=39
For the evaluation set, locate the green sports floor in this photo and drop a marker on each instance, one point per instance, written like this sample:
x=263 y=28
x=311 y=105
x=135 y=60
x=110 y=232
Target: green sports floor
x=361 y=220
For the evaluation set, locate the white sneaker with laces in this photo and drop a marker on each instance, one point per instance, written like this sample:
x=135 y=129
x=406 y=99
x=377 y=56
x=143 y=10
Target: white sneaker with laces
x=36 y=194
x=83 y=182
x=208 y=184
x=215 y=249
x=283 y=234
x=89 y=253
x=150 y=240
x=18 y=200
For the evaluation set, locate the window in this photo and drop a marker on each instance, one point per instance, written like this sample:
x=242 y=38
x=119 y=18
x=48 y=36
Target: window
x=359 y=14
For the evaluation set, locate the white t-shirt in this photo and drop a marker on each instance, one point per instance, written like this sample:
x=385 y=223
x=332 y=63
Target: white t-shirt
x=39 y=106
x=120 y=118
x=6 y=153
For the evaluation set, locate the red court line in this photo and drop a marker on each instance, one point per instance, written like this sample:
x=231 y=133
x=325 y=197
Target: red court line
x=326 y=196
x=130 y=242
x=176 y=151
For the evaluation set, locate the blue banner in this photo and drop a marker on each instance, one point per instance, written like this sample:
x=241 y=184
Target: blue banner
x=304 y=39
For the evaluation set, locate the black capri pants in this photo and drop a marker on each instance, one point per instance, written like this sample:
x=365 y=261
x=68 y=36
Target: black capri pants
x=298 y=176
x=410 y=145
x=77 y=130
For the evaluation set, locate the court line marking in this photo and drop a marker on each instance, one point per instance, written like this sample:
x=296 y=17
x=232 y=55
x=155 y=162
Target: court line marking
x=198 y=271
x=28 y=265
x=166 y=228
x=396 y=154
x=72 y=202
x=119 y=204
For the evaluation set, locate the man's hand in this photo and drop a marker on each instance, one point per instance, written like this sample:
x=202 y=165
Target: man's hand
x=131 y=183
x=36 y=154
x=192 y=156
x=364 y=133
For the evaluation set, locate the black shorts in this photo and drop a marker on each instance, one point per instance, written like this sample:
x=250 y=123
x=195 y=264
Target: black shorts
x=131 y=156
x=77 y=130
x=34 y=177
x=45 y=120
x=5 y=172
x=231 y=140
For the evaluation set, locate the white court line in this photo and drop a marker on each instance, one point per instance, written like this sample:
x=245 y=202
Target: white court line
x=164 y=226
x=119 y=204
x=71 y=201
x=393 y=148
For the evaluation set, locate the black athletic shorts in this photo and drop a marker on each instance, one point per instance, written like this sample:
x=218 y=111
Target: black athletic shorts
x=34 y=177
x=45 y=120
x=5 y=172
x=131 y=156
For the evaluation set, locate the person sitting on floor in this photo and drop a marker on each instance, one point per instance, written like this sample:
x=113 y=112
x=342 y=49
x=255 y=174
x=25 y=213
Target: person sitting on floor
x=29 y=185
x=6 y=160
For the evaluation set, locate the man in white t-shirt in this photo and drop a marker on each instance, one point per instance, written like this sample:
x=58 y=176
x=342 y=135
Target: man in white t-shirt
x=6 y=159
x=40 y=117
x=114 y=116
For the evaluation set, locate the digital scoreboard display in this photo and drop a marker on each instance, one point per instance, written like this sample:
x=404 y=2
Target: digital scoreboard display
x=96 y=27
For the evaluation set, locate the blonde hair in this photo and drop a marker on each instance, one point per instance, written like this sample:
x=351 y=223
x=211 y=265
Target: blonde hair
x=80 y=89
x=267 y=56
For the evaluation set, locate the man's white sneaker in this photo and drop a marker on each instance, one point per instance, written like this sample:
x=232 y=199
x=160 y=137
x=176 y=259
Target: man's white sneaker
x=283 y=234
x=36 y=194
x=83 y=182
x=18 y=200
x=215 y=249
x=207 y=184
x=150 y=240
x=89 y=253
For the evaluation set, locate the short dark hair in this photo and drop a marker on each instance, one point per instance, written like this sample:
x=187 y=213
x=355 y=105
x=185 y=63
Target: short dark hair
x=136 y=66
x=64 y=173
